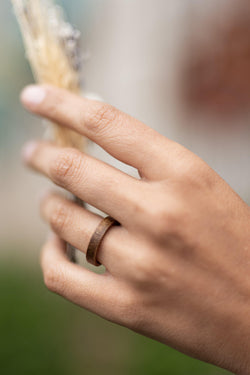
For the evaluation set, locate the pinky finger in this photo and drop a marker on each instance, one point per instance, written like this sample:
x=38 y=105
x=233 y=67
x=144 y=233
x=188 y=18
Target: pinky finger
x=101 y=294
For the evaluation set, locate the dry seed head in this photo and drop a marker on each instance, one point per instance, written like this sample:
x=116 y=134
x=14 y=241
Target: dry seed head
x=52 y=48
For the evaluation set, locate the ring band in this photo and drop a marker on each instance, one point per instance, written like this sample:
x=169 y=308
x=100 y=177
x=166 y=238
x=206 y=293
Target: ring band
x=96 y=239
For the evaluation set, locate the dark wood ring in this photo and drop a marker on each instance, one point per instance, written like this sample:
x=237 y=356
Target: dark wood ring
x=96 y=239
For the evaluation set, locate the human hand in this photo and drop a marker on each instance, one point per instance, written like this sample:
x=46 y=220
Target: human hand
x=177 y=269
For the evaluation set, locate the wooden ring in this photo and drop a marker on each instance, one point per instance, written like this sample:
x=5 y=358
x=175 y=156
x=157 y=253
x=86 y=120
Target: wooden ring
x=96 y=239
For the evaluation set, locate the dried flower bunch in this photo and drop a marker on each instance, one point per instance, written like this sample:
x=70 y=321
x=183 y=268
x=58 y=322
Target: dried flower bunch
x=52 y=47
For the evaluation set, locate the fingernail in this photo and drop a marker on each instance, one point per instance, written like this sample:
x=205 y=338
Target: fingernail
x=28 y=150
x=33 y=95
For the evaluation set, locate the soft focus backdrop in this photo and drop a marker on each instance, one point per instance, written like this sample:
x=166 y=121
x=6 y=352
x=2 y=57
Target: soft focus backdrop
x=182 y=67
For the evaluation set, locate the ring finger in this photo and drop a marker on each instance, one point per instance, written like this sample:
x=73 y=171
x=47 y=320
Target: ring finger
x=76 y=225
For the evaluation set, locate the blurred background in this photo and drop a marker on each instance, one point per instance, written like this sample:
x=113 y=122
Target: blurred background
x=182 y=67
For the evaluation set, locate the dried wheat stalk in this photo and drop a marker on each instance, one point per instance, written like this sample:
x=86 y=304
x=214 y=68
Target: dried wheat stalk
x=52 y=48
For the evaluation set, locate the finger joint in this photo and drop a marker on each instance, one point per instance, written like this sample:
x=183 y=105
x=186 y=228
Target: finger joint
x=59 y=218
x=66 y=167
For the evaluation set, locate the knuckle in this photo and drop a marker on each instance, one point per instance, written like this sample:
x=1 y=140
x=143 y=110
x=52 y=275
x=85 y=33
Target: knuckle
x=196 y=175
x=187 y=171
x=66 y=166
x=158 y=219
x=59 y=218
x=160 y=224
x=156 y=268
x=164 y=223
x=143 y=271
x=102 y=118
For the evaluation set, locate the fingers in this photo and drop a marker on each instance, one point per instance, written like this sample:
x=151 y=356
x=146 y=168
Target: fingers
x=101 y=294
x=95 y=182
x=76 y=226
x=122 y=136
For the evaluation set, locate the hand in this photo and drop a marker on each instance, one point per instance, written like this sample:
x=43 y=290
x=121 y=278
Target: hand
x=177 y=269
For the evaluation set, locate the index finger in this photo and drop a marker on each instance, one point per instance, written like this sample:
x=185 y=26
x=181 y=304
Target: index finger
x=124 y=137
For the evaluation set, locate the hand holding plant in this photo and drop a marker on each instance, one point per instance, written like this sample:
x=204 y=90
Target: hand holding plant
x=177 y=269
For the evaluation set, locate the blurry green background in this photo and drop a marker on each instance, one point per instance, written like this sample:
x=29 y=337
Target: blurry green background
x=137 y=53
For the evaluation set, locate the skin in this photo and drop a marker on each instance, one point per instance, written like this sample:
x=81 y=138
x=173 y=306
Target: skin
x=177 y=269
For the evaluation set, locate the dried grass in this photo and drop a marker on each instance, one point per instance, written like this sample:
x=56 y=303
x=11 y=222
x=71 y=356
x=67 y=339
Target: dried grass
x=52 y=48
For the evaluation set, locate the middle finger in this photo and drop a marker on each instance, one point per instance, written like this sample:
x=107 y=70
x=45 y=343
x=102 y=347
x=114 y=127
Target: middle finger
x=93 y=181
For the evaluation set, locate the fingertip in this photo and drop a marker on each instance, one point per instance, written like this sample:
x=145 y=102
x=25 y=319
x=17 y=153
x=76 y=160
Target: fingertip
x=28 y=151
x=32 y=96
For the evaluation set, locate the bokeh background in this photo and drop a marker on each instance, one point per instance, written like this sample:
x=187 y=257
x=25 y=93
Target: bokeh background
x=181 y=66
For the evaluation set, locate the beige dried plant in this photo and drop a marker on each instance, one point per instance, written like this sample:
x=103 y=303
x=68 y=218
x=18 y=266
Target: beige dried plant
x=52 y=48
